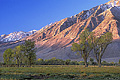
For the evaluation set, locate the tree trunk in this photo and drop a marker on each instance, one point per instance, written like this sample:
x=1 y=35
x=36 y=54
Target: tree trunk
x=20 y=64
x=17 y=62
x=85 y=60
x=99 y=63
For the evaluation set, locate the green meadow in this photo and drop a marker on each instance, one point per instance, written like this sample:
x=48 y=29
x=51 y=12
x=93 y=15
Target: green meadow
x=60 y=72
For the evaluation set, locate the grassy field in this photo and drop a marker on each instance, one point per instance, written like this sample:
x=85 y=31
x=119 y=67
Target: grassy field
x=60 y=72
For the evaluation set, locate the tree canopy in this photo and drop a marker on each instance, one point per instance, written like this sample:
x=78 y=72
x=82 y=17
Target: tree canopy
x=22 y=54
x=29 y=51
x=84 y=47
x=88 y=41
x=8 y=56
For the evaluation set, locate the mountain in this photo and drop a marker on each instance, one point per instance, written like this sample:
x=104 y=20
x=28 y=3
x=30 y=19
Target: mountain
x=55 y=40
x=15 y=36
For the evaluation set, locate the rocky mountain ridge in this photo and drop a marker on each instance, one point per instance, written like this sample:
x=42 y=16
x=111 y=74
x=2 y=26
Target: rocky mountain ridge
x=15 y=36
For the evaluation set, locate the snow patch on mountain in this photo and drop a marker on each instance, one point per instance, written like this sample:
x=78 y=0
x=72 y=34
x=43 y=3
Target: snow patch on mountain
x=113 y=3
x=16 y=36
x=87 y=13
x=43 y=28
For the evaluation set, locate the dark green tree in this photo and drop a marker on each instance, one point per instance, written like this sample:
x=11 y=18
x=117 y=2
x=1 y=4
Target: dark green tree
x=84 y=47
x=8 y=56
x=29 y=51
x=67 y=62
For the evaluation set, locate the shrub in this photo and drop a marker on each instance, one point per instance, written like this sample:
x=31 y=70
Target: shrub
x=81 y=62
x=91 y=61
x=83 y=75
x=91 y=76
x=74 y=63
x=67 y=62
x=104 y=63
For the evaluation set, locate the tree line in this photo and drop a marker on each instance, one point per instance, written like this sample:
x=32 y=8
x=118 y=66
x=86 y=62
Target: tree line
x=54 y=61
x=22 y=54
x=90 y=42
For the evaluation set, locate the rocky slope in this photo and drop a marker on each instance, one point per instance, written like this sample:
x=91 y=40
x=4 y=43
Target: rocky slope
x=56 y=39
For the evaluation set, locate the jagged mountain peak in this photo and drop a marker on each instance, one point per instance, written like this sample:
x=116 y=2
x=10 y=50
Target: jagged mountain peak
x=18 y=35
x=85 y=14
x=114 y=0
x=113 y=3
